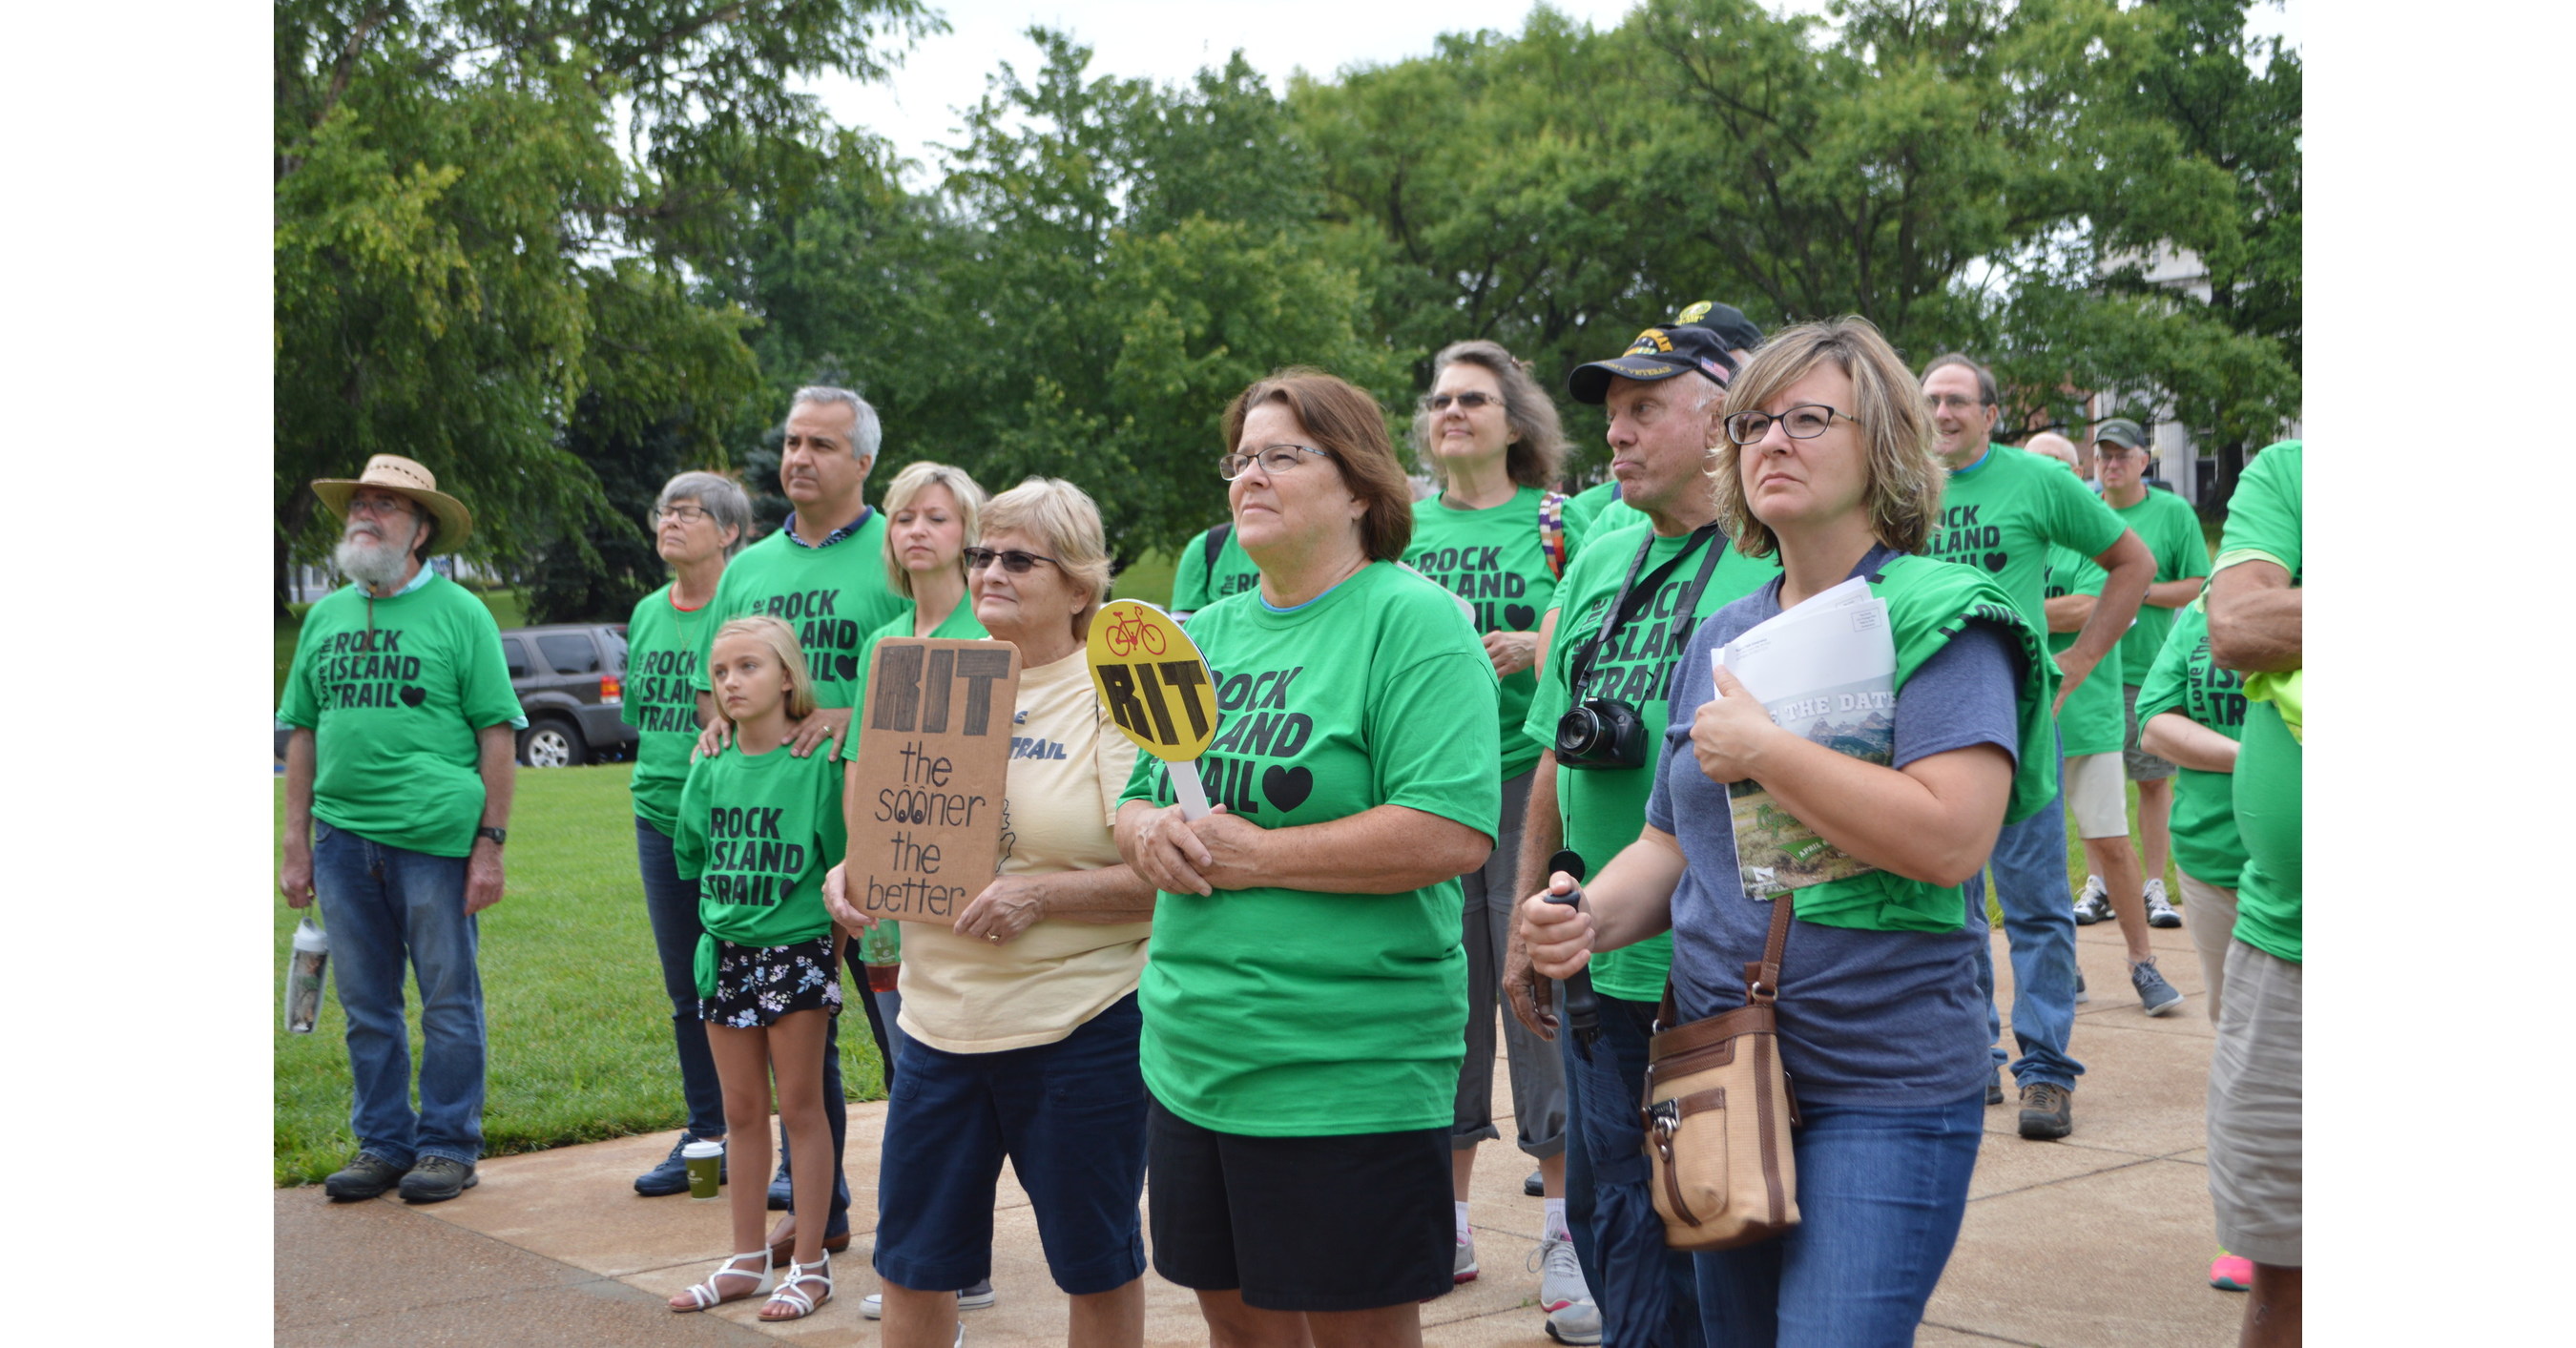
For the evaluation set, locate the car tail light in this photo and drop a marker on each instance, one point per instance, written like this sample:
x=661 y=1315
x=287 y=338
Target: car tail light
x=611 y=690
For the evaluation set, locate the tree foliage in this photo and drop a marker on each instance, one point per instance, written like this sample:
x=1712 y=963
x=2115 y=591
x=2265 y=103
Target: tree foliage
x=555 y=250
x=481 y=205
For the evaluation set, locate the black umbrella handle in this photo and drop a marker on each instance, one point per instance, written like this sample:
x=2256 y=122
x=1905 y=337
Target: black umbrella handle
x=1582 y=1008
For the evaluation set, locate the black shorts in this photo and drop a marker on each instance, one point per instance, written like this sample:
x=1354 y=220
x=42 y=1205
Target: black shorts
x=757 y=984
x=1345 y=1223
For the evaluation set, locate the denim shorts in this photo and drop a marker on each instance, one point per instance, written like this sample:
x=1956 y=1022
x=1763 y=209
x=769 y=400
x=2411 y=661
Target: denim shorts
x=1070 y=1116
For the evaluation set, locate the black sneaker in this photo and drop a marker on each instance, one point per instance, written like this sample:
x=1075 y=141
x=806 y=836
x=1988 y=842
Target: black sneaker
x=782 y=1190
x=365 y=1176
x=2047 y=1111
x=1995 y=1088
x=672 y=1175
x=1535 y=1186
x=436 y=1179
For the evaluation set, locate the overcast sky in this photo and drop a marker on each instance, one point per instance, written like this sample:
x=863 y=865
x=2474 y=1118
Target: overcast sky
x=1170 y=40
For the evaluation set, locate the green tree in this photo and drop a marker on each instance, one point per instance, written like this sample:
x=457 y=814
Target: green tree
x=453 y=179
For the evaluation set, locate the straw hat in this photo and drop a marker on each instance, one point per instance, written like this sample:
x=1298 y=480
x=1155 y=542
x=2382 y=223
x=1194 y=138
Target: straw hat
x=401 y=476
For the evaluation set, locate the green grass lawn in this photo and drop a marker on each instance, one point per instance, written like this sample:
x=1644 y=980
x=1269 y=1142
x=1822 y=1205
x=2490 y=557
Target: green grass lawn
x=1149 y=578
x=579 y=1030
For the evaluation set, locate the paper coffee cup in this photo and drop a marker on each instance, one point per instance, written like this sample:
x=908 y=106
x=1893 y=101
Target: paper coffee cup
x=706 y=1167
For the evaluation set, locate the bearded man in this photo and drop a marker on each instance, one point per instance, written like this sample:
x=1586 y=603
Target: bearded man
x=399 y=767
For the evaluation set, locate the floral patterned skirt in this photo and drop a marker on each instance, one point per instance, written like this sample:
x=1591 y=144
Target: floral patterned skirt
x=755 y=984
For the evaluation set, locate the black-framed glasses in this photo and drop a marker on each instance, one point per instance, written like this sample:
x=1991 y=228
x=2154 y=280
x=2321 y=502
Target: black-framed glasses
x=1274 y=460
x=685 y=514
x=1012 y=559
x=1806 y=421
x=1471 y=400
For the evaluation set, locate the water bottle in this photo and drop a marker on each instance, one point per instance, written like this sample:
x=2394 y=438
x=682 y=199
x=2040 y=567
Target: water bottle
x=304 y=976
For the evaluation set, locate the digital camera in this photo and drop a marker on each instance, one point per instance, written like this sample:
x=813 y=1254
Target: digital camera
x=1601 y=733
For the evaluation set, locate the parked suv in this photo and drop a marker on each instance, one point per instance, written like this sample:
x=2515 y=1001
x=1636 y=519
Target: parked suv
x=571 y=682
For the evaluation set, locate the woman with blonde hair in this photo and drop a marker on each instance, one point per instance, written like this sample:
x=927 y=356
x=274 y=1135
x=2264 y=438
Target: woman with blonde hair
x=1828 y=463
x=1020 y=1022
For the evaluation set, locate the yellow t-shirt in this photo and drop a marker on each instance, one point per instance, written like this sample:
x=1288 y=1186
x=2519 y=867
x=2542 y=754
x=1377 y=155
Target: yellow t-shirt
x=1068 y=766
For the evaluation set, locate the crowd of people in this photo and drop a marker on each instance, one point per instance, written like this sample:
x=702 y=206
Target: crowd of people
x=1480 y=749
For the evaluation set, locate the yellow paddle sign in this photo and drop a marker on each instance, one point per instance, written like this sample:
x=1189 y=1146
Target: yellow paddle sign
x=1156 y=687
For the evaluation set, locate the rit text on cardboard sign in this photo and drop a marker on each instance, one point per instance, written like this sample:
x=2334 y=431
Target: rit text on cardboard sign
x=925 y=800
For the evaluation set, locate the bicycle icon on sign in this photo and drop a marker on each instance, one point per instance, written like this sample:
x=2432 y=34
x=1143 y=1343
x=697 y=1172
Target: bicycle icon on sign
x=1131 y=631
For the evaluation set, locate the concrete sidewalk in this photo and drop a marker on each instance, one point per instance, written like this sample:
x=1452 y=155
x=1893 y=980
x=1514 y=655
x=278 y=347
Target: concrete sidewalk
x=2100 y=1239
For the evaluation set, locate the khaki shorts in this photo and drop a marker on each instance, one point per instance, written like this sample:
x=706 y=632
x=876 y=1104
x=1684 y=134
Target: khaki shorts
x=2255 y=1111
x=2143 y=766
x=2095 y=792
x=2210 y=911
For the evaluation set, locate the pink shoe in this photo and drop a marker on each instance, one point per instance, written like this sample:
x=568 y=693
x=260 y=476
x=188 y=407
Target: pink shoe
x=2231 y=1272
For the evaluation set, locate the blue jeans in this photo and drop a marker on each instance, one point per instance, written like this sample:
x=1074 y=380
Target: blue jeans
x=2039 y=926
x=385 y=907
x=671 y=904
x=1880 y=1196
x=1648 y=1293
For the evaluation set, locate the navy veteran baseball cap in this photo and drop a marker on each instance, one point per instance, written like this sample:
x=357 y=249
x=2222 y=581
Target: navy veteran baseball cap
x=1658 y=353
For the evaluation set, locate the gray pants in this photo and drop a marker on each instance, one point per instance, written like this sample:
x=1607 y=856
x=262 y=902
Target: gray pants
x=1538 y=1074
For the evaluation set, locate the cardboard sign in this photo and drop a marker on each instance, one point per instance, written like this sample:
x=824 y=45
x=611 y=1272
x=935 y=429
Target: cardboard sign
x=924 y=806
x=1156 y=688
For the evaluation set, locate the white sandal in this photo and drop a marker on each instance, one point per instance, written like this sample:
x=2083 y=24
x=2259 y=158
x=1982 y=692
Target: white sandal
x=705 y=1294
x=791 y=1292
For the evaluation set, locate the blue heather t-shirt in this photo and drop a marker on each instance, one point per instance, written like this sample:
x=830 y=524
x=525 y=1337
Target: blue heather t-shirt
x=1885 y=1019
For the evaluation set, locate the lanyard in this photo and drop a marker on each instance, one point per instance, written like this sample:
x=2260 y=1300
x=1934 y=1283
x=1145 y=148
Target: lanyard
x=1633 y=596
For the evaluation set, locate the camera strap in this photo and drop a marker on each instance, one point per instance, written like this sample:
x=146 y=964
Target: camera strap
x=1633 y=596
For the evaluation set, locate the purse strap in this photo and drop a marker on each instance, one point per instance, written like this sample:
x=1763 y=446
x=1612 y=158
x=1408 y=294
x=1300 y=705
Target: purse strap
x=1761 y=977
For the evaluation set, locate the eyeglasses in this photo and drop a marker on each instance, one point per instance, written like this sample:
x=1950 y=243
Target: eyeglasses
x=1951 y=402
x=379 y=505
x=685 y=514
x=1471 y=400
x=1274 y=460
x=1013 y=560
x=1803 y=422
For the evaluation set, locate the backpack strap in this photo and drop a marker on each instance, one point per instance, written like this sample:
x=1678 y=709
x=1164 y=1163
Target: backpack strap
x=1551 y=531
x=1215 y=544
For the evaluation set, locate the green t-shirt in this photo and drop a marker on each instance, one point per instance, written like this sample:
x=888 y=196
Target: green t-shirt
x=833 y=596
x=1492 y=558
x=2171 y=530
x=662 y=648
x=2263 y=521
x=959 y=625
x=1197 y=583
x=1286 y=1013
x=394 y=711
x=2093 y=721
x=757 y=832
x=2205 y=841
x=2001 y=514
x=1605 y=808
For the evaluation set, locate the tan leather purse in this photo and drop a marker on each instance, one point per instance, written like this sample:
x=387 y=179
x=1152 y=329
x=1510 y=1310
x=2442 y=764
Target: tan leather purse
x=1717 y=1113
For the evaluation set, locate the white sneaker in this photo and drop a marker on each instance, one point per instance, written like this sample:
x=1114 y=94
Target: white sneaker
x=1560 y=1278
x=1578 y=1323
x=1463 y=1268
x=2160 y=910
x=975 y=1298
x=2094 y=904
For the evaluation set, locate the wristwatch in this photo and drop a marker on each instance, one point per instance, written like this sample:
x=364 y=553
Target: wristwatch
x=500 y=836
